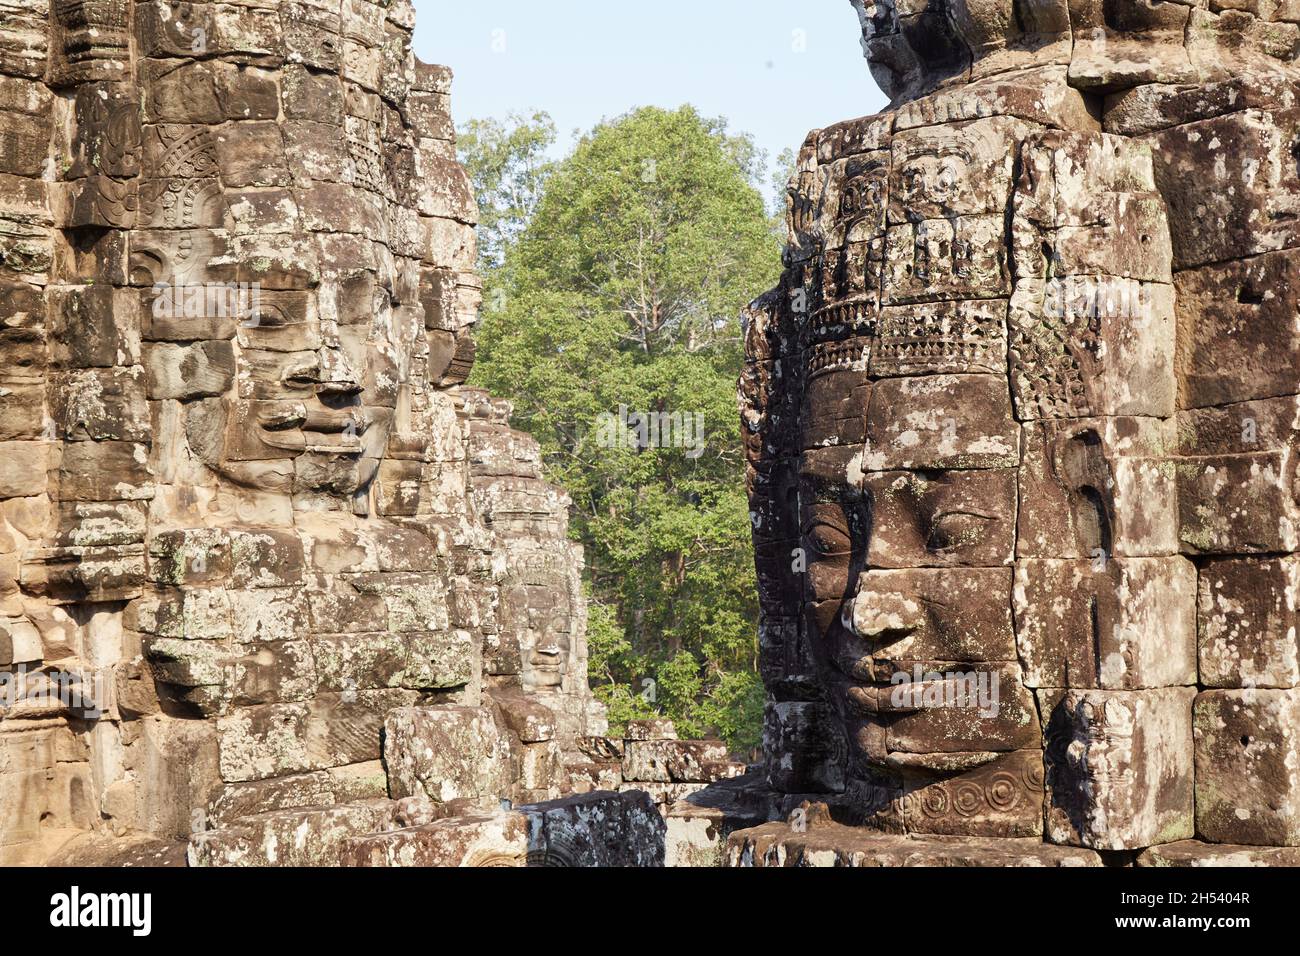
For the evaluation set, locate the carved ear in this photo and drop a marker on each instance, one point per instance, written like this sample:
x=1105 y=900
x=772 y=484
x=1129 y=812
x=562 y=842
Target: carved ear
x=462 y=361
x=205 y=429
x=20 y=642
x=177 y=256
x=1091 y=318
x=1003 y=33
x=1083 y=465
x=181 y=204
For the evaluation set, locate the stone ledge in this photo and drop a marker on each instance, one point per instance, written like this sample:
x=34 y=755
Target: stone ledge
x=1195 y=853
x=102 y=849
x=600 y=829
x=832 y=844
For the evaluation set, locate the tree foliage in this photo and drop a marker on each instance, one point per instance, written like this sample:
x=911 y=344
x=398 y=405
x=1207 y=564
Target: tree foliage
x=506 y=161
x=623 y=291
x=783 y=170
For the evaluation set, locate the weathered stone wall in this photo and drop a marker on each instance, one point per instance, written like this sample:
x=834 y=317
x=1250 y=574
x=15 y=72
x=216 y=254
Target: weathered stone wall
x=1023 y=411
x=293 y=585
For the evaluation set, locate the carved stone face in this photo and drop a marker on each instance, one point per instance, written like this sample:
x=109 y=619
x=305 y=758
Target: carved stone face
x=537 y=619
x=314 y=397
x=906 y=485
x=237 y=478
x=313 y=353
x=545 y=652
x=1016 y=446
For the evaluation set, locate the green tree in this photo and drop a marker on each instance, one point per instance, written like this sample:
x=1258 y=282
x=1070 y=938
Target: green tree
x=507 y=164
x=623 y=292
x=782 y=172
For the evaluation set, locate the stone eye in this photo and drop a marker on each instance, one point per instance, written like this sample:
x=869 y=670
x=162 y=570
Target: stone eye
x=956 y=529
x=828 y=540
x=302 y=376
x=849 y=204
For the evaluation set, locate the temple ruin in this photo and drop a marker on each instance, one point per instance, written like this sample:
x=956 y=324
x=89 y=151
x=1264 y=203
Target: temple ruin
x=274 y=585
x=1026 y=402
x=1021 y=420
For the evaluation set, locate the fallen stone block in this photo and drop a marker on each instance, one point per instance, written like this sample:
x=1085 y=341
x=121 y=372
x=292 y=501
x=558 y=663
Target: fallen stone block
x=527 y=719
x=655 y=728
x=596 y=829
x=601 y=748
x=1196 y=853
x=586 y=775
x=309 y=837
x=600 y=829
x=672 y=761
x=473 y=840
x=101 y=850
x=700 y=823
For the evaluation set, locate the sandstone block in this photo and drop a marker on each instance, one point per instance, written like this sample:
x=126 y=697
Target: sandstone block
x=1238 y=339
x=1119 y=624
x=472 y=840
x=201 y=370
x=1248 y=766
x=969 y=426
x=310 y=837
x=942 y=519
x=449 y=753
x=330 y=730
x=1246 y=622
x=676 y=761
x=775 y=844
x=1097 y=487
x=596 y=829
x=1119 y=768
x=654 y=728
x=1195 y=853
x=529 y=720
x=936 y=614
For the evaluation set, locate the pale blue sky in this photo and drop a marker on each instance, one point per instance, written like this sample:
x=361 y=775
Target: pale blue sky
x=583 y=60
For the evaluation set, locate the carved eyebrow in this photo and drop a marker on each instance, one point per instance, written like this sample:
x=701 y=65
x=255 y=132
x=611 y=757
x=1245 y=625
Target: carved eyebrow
x=958 y=512
x=828 y=492
x=815 y=520
x=937 y=150
x=829 y=549
x=874 y=169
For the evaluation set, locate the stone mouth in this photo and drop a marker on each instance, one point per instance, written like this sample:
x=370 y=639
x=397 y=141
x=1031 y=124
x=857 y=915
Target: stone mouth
x=283 y=420
x=320 y=430
x=341 y=451
x=548 y=662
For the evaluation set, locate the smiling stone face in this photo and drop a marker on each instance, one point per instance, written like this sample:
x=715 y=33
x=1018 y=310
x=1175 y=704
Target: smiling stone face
x=314 y=397
x=1004 y=417
x=323 y=335
x=243 y=495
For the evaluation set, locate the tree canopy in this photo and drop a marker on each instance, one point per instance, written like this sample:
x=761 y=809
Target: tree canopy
x=620 y=294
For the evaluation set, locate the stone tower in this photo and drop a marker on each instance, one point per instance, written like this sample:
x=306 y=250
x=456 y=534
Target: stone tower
x=266 y=567
x=1022 y=424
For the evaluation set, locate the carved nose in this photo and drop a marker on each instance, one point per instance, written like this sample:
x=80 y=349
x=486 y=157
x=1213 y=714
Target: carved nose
x=548 y=656
x=303 y=375
x=337 y=378
x=884 y=614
